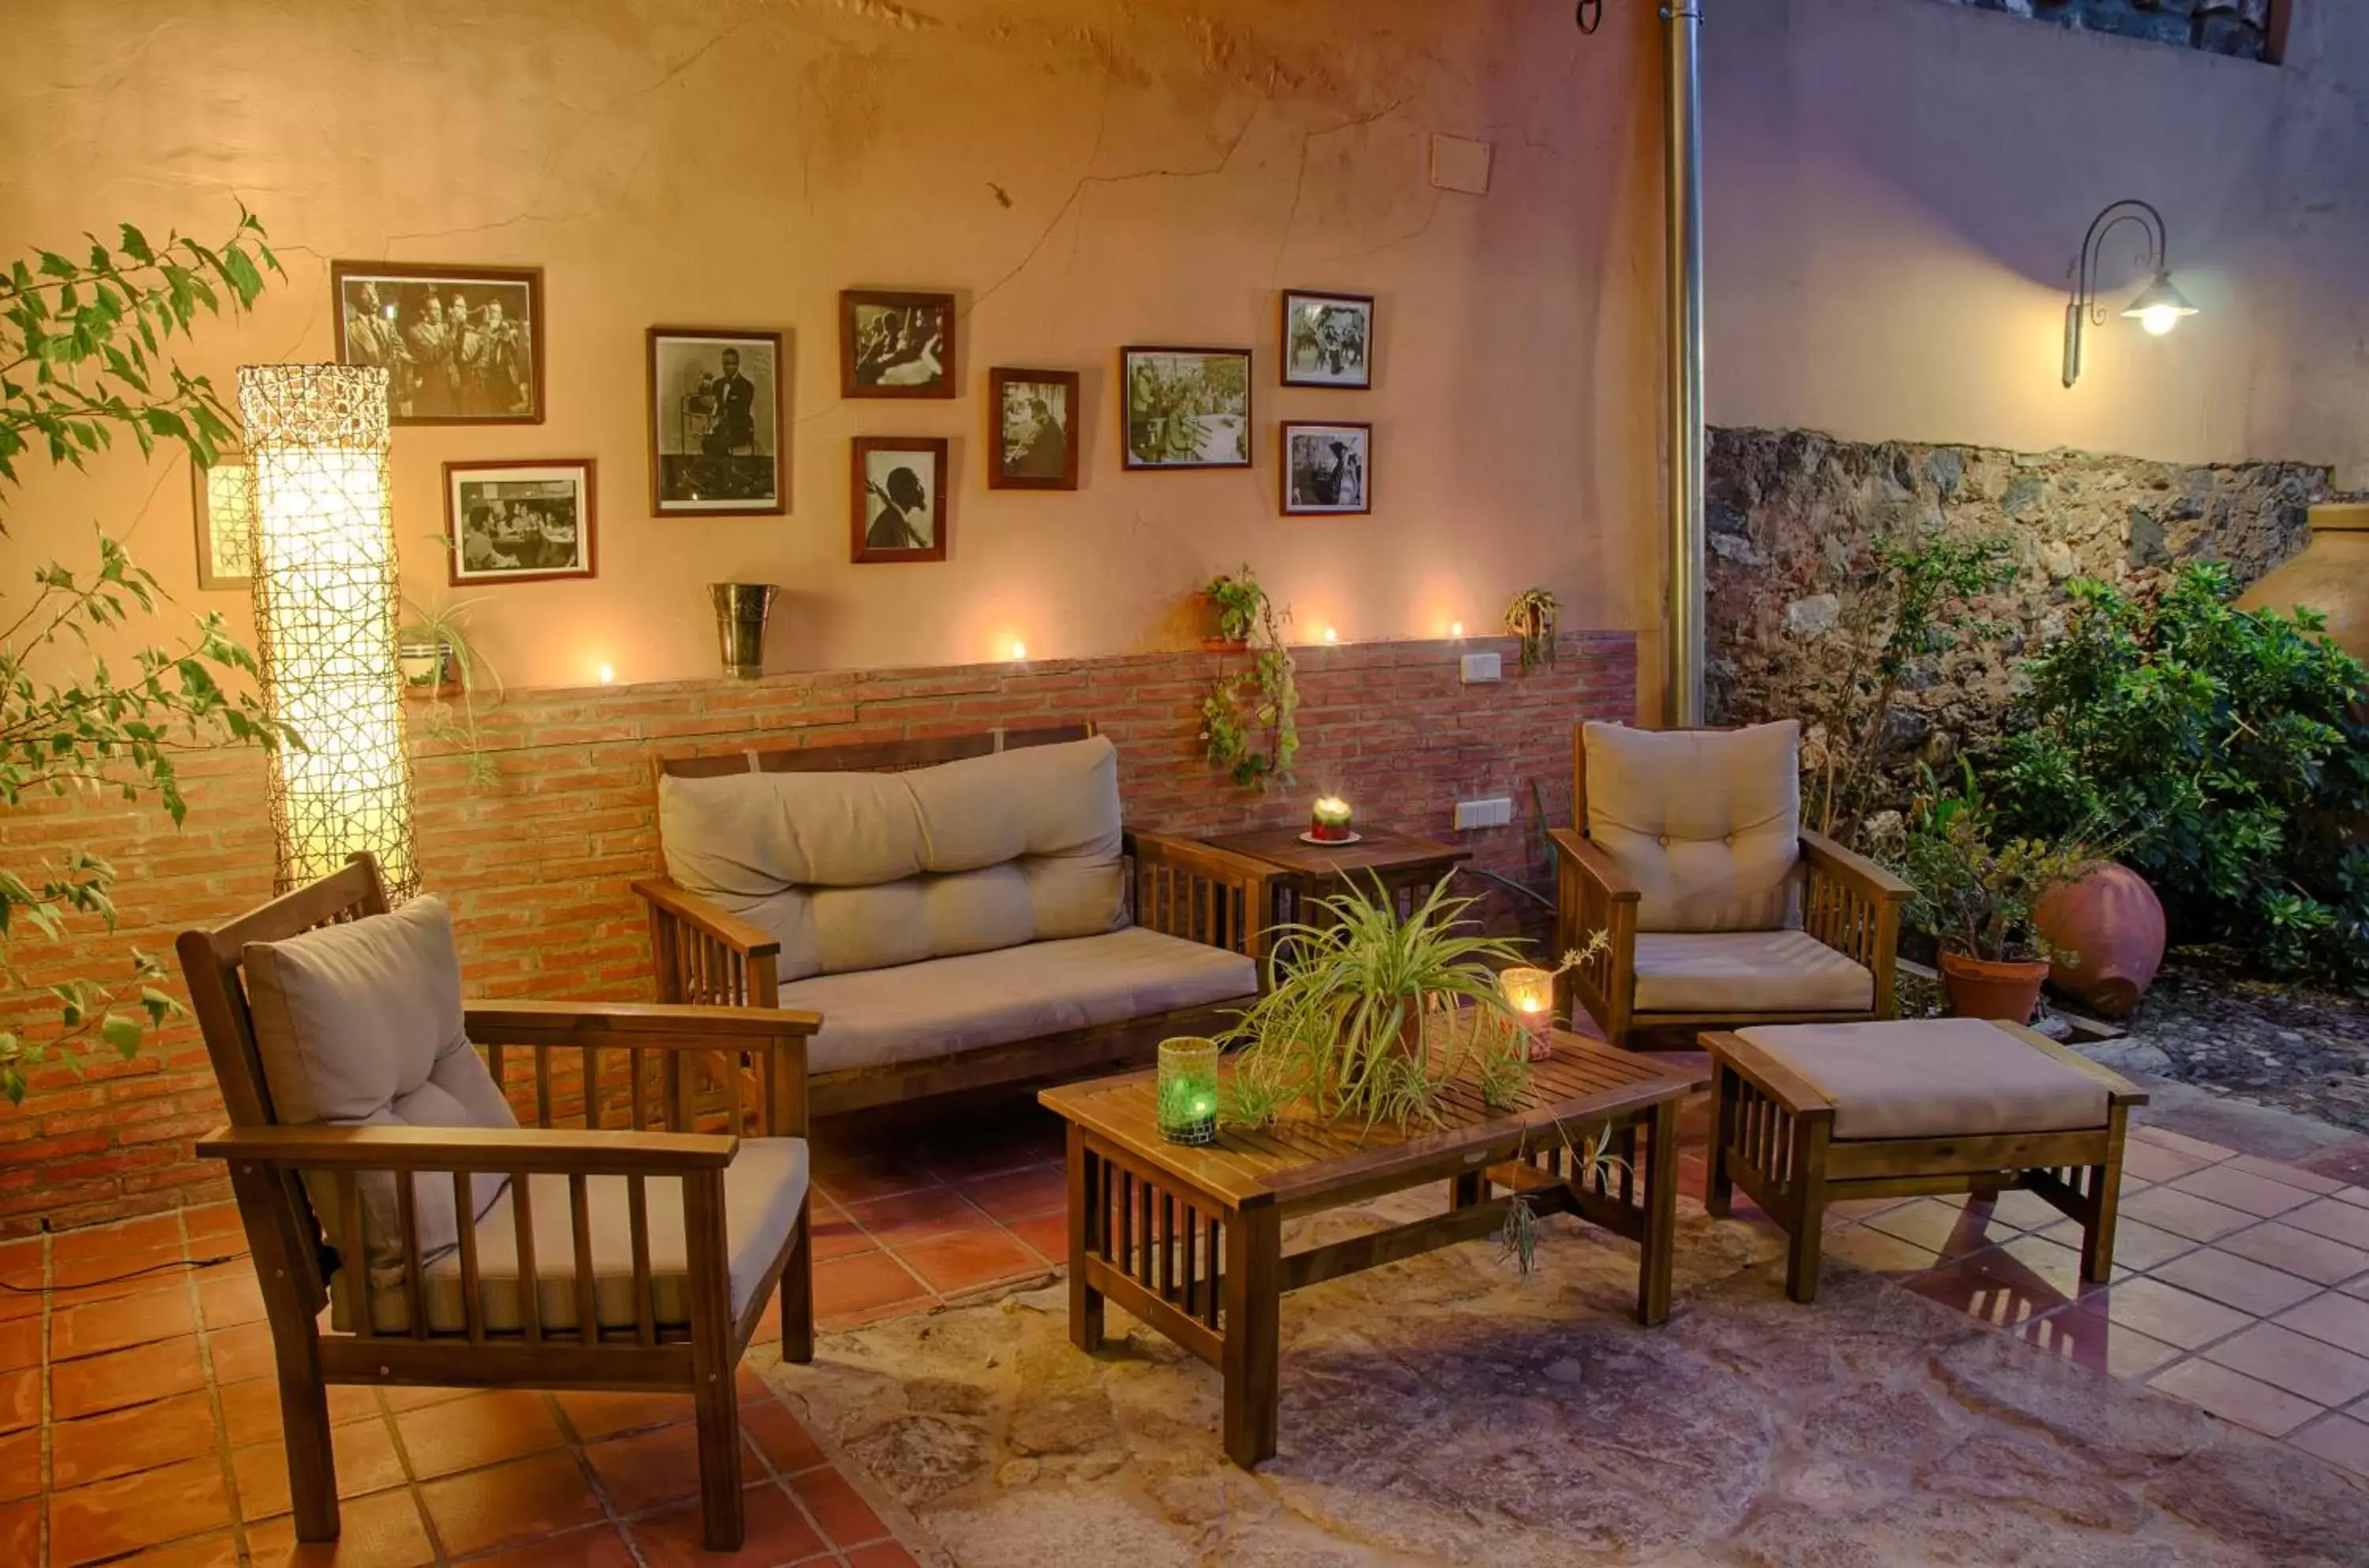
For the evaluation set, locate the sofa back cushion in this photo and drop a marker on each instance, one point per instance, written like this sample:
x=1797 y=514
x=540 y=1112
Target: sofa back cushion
x=862 y=871
x=1708 y=823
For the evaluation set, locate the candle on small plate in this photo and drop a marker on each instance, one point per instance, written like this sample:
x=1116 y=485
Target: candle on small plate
x=1329 y=820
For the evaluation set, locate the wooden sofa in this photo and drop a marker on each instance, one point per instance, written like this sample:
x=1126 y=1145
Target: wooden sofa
x=897 y=1032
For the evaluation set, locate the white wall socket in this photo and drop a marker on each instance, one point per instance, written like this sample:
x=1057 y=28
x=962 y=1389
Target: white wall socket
x=1479 y=667
x=1497 y=811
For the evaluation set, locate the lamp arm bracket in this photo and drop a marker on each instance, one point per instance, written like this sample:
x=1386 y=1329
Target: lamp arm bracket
x=2155 y=257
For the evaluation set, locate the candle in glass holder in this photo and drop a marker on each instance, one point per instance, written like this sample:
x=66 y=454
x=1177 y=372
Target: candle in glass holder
x=1531 y=994
x=1188 y=1089
x=1329 y=820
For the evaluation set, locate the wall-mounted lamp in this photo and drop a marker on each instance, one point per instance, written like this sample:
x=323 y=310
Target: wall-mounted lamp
x=2158 y=307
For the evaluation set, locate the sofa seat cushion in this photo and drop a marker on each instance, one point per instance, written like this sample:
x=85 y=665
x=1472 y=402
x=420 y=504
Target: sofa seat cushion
x=1707 y=823
x=1937 y=1078
x=918 y=1012
x=763 y=1189
x=1746 y=971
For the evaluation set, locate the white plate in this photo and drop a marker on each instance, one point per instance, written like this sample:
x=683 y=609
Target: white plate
x=1330 y=844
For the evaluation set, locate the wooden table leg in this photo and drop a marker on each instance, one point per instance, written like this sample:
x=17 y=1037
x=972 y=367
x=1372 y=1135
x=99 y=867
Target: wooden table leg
x=1719 y=1186
x=1660 y=1242
x=2106 y=1181
x=1253 y=1301
x=1085 y=1227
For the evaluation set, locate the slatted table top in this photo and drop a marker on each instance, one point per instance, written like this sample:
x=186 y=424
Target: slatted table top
x=1377 y=849
x=1301 y=1157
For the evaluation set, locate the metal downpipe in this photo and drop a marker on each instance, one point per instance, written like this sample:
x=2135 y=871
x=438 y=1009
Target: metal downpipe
x=1687 y=645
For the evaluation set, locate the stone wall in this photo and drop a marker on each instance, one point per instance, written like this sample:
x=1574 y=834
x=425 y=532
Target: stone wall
x=2239 y=27
x=1793 y=515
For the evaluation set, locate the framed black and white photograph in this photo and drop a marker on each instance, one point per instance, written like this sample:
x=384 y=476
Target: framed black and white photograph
x=221 y=494
x=520 y=521
x=899 y=501
x=1328 y=339
x=717 y=423
x=460 y=344
x=1327 y=469
x=1187 y=407
x=1035 y=438
x=895 y=345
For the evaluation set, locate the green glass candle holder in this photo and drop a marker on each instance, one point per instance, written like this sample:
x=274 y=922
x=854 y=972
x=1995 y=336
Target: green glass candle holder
x=1188 y=1089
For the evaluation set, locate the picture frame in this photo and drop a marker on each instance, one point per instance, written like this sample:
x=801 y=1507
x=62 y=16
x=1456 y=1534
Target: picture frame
x=221 y=501
x=1328 y=468
x=1327 y=339
x=535 y=521
x=896 y=343
x=1184 y=408
x=1023 y=408
x=897 y=483
x=401 y=315
x=717 y=422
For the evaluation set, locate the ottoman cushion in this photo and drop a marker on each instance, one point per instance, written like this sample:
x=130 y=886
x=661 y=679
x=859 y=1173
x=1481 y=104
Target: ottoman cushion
x=1936 y=1077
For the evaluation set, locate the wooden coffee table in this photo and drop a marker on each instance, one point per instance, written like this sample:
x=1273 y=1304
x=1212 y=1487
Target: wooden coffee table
x=1190 y=1240
x=1404 y=866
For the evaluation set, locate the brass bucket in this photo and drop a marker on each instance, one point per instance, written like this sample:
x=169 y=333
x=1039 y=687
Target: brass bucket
x=740 y=612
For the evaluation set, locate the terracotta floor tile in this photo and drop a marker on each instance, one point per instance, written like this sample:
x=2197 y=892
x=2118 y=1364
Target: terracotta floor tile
x=231 y=1300
x=241 y=1353
x=1020 y=1194
x=251 y=1409
x=2163 y=1138
x=2293 y=1176
x=884 y=1554
x=97 y=1326
x=211 y=1221
x=597 y=1416
x=856 y=1290
x=2340 y=1319
x=2165 y=1313
x=2358 y=1197
x=383 y=1530
x=483 y=1429
x=2236 y=1281
x=918 y=1216
x=2235 y=1397
x=204 y=1551
x=1948 y=1228
x=1879 y=1253
x=2357 y=1288
x=953 y=1264
x=2153 y=1163
x=2024 y=1211
x=514 y=1502
x=366 y=1459
x=781 y=1436
x=409 y=1397
x=20 y=1532
x=123 y=1378
x=2339 y=1439
x=20 y=1399
x=2297 y=1363
x=598 y=1547
x=1048 y=1234
x=832 y=1233
x=104 y=1276
x=111 y=1517
x=1852 y=1208
x=2291 y=1251
x=2238 y=1189
x=20 y=1465
x=870 y=1181
x=646 y=1470
x=104 y=1241
x=141 y=1437
x=2184 y=1214
x=838 y=1507
x=2004 y=1287
x=777 y=1532
x=2334 y=1219
x=21 y=1343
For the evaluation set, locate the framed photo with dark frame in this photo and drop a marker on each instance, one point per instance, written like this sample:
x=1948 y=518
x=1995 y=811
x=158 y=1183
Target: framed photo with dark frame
x=896 y=344
x=221 y=495
x=717 y=426
x=1185 y=407
x=1328 y=469
x=1034 y=442
x=1328 y=339
x=896 y=505
x=520 y=521
x=461 y=345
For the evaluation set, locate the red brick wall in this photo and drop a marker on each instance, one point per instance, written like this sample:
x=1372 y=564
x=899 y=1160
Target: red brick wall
x=537 y=865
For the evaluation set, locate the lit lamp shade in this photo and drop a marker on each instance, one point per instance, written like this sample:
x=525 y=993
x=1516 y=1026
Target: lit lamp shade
x=1531 y=994
x=2158 y=307
x=325 y=610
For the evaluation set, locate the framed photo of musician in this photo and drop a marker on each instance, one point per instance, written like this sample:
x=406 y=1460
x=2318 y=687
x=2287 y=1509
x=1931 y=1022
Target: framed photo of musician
x=717 y=423
x=520 y=521
x=1328 y=470
x=1328 y=339
x=1035 y=441
x=461 y=345
x=895 y=345
x=898 y=500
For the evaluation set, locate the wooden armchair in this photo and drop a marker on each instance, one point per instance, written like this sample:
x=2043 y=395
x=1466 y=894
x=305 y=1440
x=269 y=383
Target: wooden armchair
x=606 y=1262
x=1656 y=974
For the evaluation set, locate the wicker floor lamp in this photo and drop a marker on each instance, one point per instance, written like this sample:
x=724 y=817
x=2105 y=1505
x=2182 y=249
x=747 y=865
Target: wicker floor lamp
x=325 y=610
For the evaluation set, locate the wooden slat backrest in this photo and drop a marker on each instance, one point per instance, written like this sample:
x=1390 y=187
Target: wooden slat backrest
x=869 y=756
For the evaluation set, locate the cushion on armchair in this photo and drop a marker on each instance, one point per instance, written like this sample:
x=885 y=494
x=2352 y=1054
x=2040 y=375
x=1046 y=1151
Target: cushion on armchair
x=1707 y=823
x=1746 y=971
x=360 y=1024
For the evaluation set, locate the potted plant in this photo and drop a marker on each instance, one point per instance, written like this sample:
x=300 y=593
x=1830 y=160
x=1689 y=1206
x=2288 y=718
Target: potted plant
x=1248 y=723
x=1532 y=617
x=1232 y=606
x=443 y=667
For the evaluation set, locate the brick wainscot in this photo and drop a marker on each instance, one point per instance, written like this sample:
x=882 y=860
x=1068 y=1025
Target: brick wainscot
x=538 y=863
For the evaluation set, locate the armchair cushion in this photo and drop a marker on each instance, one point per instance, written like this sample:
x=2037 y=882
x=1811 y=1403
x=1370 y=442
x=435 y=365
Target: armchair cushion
x=358 y=1025
x=1707 y=823
x=1746 y=972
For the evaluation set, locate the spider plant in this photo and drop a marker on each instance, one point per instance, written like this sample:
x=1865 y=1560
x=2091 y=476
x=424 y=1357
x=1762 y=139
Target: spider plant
x=453 y=680
x=1593 y=1162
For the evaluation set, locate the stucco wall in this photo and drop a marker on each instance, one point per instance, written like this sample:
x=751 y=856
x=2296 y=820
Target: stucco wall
x=1082 y=173
x=1896 y=190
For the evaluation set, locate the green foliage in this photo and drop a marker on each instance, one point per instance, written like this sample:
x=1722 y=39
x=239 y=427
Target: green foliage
x=1594 y=1163
x=1248 y=721
x=452 y=718
x=1975 y=888
x=81 y=360
x=1532 y=616
x=2226 y=745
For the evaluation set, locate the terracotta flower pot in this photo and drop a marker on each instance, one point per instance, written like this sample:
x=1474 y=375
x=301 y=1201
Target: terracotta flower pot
x=1983 y=988
x=2112 y=925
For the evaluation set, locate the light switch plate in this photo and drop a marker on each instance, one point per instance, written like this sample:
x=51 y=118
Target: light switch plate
x=1497 y=811
x=1481 y=667
x=1460 y=163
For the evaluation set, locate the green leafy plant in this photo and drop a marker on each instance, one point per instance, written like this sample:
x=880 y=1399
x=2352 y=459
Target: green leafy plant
x=82 y=362
x=1249 y=723
x=1976 y=887
x=2226 y=745
x=1592 y=1162
x=1532 y=616
x=450 y=672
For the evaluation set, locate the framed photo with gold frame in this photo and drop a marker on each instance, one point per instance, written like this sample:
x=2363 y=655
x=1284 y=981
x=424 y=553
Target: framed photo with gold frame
x=221 y=495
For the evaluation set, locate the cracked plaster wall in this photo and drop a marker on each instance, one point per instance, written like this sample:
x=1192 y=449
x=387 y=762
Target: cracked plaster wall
x=1081 y=173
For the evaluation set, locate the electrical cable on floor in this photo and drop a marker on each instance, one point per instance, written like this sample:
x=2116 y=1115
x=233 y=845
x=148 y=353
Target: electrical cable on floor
x=120 y=1278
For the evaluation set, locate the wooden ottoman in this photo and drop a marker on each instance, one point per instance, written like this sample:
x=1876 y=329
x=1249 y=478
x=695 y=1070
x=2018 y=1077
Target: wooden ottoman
x=1806 y=1115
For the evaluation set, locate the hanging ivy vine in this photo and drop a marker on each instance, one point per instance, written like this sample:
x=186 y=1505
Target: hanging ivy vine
x=1248 y=723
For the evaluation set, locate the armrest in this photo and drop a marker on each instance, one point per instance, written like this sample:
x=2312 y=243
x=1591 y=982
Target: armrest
x=1595 y=865
x=742 y=936
x=510 y=1151
x=1799 y=1094
x=645 y=1025
x=1192 y=860
x=1167 y=848
x=1828 y=858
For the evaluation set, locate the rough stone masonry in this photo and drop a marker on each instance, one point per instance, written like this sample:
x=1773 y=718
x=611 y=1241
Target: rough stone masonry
x=2239 y=27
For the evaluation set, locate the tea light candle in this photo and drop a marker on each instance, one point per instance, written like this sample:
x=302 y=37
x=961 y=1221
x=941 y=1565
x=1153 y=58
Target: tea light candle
x=1188 y=1089
x=1531 y=994
x=1328 y=819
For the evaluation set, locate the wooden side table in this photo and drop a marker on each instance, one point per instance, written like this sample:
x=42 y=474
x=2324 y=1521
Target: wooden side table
x=1403 y=865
